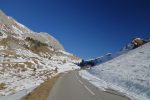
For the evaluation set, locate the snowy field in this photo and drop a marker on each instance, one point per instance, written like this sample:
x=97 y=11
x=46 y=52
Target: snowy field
x=128 y=74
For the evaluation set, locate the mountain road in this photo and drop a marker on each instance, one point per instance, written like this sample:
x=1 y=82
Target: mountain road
x=70 y=86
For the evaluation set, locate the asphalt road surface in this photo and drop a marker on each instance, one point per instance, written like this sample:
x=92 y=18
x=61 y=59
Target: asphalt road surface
x=70 y=86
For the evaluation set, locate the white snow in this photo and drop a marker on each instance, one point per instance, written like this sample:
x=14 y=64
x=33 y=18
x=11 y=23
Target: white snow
x=17 y=95
x=67 y=67
x=129 y=73
x=17 y=80
x=16 y=30
x=64 y=52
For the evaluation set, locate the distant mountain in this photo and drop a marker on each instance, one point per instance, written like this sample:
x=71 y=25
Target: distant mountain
x=28 y=58
x=110 y=56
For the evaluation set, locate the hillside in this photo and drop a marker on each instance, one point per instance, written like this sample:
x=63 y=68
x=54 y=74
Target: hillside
x=128 y=73
x=28 y=58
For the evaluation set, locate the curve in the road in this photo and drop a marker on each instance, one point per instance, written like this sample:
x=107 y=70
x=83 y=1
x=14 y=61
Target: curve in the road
x=70 y=86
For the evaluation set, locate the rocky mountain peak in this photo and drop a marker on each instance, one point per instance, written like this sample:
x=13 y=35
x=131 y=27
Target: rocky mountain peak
x=12 y=28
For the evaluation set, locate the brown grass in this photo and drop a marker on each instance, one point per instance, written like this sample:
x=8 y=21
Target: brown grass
x=42 y=49
x=42 y=91
x=9 y=52
x=2 y=86
x=29 y=64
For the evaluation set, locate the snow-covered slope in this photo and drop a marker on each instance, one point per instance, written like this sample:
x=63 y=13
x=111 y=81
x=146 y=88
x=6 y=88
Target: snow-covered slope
x=28 y=58
x=128 y=73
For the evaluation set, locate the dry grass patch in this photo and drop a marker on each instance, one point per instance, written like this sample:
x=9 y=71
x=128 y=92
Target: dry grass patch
x=29 y=64
x=42 y=91
x=38 y=49
x=2 y=86
x=9 y=52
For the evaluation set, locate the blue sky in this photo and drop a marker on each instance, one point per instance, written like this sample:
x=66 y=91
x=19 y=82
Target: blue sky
x=87 y=28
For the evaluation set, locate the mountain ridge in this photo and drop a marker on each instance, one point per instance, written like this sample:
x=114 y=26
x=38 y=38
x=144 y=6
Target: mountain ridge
x=11 y=25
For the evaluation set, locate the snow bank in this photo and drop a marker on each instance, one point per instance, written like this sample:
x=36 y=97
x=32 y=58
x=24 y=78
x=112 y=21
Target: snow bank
x=16 y=96
x=128 y=73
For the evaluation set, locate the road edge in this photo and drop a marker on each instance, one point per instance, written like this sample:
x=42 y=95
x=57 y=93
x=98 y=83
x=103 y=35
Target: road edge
x=42 y=91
